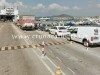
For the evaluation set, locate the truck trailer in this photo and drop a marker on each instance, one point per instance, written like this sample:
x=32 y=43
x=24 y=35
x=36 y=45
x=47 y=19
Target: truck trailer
x=26 y=22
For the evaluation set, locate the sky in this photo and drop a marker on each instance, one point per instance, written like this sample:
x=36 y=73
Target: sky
x=56 y=7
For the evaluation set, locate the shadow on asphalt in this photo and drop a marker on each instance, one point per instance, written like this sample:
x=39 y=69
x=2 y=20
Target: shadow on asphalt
x=91 y=46
x=95 y=46
x=29 y=29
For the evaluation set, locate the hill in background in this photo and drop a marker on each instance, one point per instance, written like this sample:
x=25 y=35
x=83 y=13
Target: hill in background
x=63 y=15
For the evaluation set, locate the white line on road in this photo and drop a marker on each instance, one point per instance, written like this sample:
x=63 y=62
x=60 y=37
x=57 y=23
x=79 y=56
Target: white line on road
x=40 y=59
x=15 y=47
x=52 y=62
x=45 y=64
x=59 y=59
x=9 y=48
x=71 y=71
x=3 y=48
x=48 y=59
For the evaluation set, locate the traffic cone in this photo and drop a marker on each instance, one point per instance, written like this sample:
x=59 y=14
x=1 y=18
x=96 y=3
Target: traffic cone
x=58 y=71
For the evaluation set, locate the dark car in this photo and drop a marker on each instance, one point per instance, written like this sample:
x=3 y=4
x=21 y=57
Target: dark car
x=41 y=27
x=47 y=27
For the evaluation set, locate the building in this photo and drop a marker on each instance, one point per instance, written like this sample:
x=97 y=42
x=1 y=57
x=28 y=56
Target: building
x=9 y=13
x=44 y=19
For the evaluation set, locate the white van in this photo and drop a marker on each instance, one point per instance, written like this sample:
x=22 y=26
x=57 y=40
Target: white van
x=86 y=34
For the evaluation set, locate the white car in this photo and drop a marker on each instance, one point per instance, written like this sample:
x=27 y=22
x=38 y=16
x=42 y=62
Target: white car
x=59 y=31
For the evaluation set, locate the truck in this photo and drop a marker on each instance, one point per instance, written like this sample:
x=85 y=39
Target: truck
x=26 y=22
x=87 y=35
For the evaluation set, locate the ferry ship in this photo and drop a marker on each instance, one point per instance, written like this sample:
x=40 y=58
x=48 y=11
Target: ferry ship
x=9 y=13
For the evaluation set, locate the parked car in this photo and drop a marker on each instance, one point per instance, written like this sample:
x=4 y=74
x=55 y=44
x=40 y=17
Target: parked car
x=59 y=31
x=84 y=34
x=47 y=27
x=69 y=24
x=70 y=29
x=41 y=27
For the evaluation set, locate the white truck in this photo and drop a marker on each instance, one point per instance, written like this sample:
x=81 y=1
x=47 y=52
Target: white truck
x=27 y=22
x=86 y=35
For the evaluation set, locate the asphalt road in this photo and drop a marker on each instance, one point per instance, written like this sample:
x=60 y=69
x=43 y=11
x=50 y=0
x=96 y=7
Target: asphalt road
x=19 y=61
x=73 y=58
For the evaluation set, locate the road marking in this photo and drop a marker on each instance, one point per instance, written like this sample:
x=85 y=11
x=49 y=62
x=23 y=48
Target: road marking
x=21 y=47
x=50 y=44
x=9 y=48
x=26 y=46
x=15 y=47
x=52 y=62
x=71 y=71
x=31 y=46
x=45 y=64
x=35 y=46
x=3 y=48
x=47 y=44
x=59 y=59
x=41 y=60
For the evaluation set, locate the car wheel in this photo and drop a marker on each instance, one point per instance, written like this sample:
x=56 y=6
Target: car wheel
x=56 y=34
x=49 y=32
x=85 y=43
x=69 y=38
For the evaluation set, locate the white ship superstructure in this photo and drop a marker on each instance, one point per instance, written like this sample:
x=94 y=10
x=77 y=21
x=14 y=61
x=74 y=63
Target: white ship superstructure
x=9 y=13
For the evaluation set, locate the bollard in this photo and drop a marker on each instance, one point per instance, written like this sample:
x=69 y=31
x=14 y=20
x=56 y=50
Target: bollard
x=58 y=71
x=43 y=52
x=87 y=45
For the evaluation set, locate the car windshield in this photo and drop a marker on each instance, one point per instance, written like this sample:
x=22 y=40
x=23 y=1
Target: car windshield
x=65 y=25
x=61 y=28
x=69 y=30
x=49 y=25
x=43 y=25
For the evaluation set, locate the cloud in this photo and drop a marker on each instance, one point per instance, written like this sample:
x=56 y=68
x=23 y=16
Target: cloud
x=5 y=3
x=55 y=6
x=98 y=5
x=20 y=4
x=39 y=6
x=76 y=8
